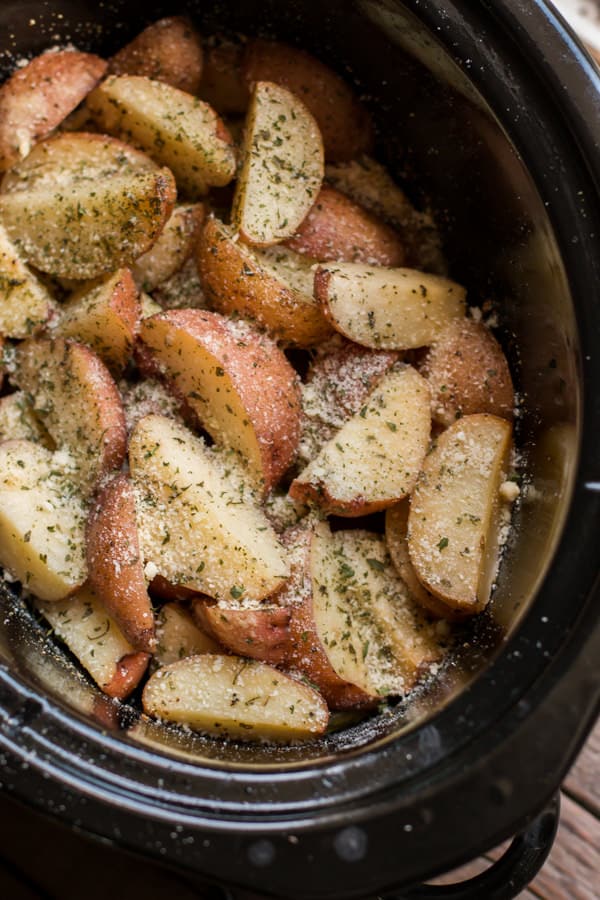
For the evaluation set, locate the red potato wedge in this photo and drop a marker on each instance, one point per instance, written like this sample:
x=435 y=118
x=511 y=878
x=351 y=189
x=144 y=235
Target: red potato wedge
x=19 y=422
x=454 y=520
x=117 y=198
x=281 y=168
x=176 y=129
x=199 y=522
x=272 y=286
x=42 y=520
x=387 y=309
x=178 y=636
x=239 y=698
x=259 y=633
x=223 y=84
x=375 y=458
x=105 y=316
x=25 y=303
x=165 y=591
x=115 y=567
x=36 y=98
x=95 y=639
x=468 y=373
x=236 y=380
x=169 y=50
x=337 y=229
x=344 y=123
x=173 y=248
x=77 y=402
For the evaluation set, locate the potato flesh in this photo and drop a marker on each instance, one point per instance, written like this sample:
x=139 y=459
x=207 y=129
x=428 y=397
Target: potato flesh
x=19 y=422
x=195 y=524
x=282 y=166
x=174 y=246
x=25 y=304
x=42 y=520
x=390 y=309
x=375 y=458
x=176 y=129
x=229 y=696
x=178 y=636
x=453 y=523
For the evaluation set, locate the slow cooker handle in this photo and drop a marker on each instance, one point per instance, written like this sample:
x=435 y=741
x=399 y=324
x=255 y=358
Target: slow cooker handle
x=509 y=875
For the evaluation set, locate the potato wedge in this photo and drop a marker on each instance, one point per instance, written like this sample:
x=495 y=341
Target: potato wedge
x=344 y=123
x=259 y=632
x=115 y=567
x=223 y=84
x=388 y=309
x=94 y=638
x=169 y=50
x=42 y=520
x=178 y=636
x=272 y=286
x=236 y=380
x=81 y=205
x=337 y=229
x=36 y=98
x=454 y=514
x=196 y=523
x=77 y=402
x=175 y=245
x=243 y=699
x=19 y=422
x=468 y=373
x=105 y=316
x=174 y=128
x=281 y=166
x=375 y=458
x=25 y=303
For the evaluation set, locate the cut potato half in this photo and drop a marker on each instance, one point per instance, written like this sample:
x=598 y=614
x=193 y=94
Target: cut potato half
x=19 y=422
x=174 y=128
x=169 y=50
x=453 y=526
x=95 y=639
x=390 y=309
x=175 y=245
x=374 y=459
x=273 y=286
x=260 y=632
x=42 y=520
x=196 y=523
x=81 y=205
x=25 y=304
x=281 y=167
x=178 y=636
x=228 y=696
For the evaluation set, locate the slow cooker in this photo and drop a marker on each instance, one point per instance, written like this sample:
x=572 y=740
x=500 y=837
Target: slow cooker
x=490 y=113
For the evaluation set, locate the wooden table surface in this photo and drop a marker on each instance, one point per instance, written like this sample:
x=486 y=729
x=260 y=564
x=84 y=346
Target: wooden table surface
x=40 y=860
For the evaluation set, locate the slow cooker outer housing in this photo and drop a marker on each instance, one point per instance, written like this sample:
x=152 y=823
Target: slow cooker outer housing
x=405 y=805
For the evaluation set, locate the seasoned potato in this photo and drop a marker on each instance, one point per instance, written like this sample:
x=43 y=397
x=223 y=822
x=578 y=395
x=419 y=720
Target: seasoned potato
x=77 y=402
x=338 y=229
x=344 y=123
x=178 y=636
x=115 y=567
x=104 y=315
x=42 y=520
x=389 y=309
x=94 y=638
x=183 y=290
x=468 y=373
x=236 y=380
x=453 y=526
x=175 y=245
x=281 y=167
x=169 y=50
x=374 y=459
x=36 y=98
x=117 y=198
x=259 y=632
x=229 y=696
x=25 y=303
x=272 y=286
x=174 y=128
x=197 y=525
x=223 y=84
x=19 y=422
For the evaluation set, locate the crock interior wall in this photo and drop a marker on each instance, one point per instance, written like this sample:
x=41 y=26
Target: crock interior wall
x=438 y=136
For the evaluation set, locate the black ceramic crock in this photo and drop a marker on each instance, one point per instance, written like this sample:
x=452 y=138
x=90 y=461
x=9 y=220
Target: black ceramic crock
x=491 y=112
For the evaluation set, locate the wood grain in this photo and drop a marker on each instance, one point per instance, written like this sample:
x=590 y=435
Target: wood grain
x=583 y=782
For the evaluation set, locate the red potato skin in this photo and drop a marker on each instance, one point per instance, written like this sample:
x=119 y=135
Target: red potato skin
x=317 y=494
x=115 y=564
x=223 y=85
x=128 y=674
x=344 y=123
x=169 y=50
x=337 y=229
x=171 y=593
x=258 y=633
x=36 y=98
